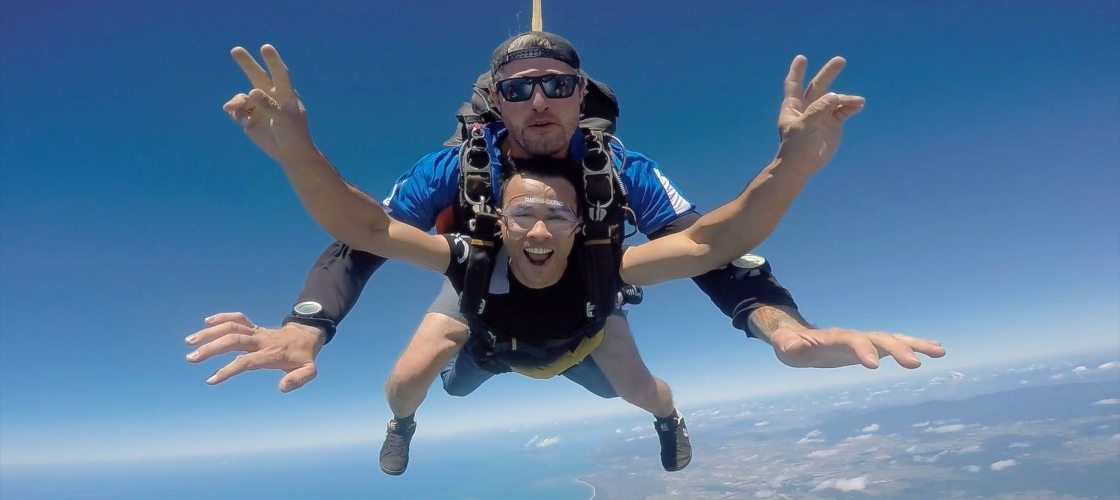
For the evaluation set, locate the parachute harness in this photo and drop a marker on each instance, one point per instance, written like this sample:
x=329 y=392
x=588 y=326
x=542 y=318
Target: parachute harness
x=599 y=245
x=477 y=194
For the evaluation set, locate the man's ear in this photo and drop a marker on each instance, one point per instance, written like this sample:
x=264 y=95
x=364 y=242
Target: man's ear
x=502 y=228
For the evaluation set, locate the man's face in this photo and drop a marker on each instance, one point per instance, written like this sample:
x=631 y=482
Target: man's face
x=539 y=126
x=539 y=228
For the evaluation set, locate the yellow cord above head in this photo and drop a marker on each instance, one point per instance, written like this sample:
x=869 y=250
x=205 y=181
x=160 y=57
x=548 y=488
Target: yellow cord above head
x=538 y=22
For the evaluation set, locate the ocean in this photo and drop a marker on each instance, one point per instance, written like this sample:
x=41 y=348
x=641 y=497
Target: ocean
x=492 y=466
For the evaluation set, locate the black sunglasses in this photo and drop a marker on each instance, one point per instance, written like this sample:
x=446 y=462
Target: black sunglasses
x=554 y=87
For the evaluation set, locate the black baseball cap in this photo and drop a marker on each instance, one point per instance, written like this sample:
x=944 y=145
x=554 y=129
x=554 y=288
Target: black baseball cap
x=561 y=50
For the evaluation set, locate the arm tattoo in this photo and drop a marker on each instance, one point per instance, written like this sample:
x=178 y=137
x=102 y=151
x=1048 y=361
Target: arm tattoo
x=766 y=319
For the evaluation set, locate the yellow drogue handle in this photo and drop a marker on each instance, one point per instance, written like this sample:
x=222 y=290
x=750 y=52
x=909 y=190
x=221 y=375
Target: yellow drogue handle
x=538 y=23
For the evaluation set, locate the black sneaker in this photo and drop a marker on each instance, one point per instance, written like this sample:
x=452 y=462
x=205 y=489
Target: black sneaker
x=676 y=451
x=394 y=451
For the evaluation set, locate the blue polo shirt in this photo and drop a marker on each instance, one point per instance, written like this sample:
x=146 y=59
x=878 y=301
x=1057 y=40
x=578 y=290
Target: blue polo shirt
x=431 y=185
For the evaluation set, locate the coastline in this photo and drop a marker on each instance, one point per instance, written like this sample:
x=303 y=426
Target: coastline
x=589 y=485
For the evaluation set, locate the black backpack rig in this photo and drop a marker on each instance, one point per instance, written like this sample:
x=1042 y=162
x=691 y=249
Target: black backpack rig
x=598 y=245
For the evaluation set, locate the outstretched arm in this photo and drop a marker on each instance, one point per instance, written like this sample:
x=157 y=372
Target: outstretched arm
x=275 y=119
x=810 y=134
x=797 y=343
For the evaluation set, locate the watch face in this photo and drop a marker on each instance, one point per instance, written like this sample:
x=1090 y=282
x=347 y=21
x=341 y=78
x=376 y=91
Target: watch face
x=308 y=308
x=749 y=261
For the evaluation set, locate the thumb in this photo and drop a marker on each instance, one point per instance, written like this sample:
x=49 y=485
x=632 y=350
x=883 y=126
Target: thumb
x=819 y=109
x=298 y=377
x=263 y=102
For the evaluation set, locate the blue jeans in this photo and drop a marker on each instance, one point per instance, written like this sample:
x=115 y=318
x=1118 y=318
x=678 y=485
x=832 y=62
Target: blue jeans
x=462 y=376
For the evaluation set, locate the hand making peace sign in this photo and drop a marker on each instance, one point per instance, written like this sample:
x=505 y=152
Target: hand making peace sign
x=271 y=113
x=811 y=120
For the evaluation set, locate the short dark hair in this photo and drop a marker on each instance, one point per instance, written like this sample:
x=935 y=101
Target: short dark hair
x=562 y=168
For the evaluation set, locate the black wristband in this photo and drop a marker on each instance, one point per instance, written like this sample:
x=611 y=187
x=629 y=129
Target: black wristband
x=327 y=325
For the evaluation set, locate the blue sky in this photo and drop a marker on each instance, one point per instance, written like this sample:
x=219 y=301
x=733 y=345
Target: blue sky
x=976 y=199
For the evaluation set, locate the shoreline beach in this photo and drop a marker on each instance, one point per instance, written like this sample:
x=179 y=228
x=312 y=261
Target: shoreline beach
x=589 y=485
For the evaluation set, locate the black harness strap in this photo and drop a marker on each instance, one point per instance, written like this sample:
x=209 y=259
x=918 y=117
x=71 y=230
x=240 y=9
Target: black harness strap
x=603 y=230
x=477 y=193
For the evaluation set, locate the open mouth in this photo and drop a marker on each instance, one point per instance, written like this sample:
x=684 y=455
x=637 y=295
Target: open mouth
x=537 y=256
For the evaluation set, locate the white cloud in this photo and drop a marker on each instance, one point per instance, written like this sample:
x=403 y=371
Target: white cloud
x=618 y=431
x=1058 y=376
x=870 y=428
x=1004 y=464
x=946 y=428
x=1115 y=437
x=1080 y=369
x=643 y=436
x=861 y=437
x=956 y=375
x=1111 y=365
x=921 y=424
x=823 y=453
x=762 y=423
x=764 y=493
x=812 y=437
x=911 y=449
x=542 y=443
x=970 y=449
x=930 y=459
x=1104 y=402
x=972 y=468
x=842 y=403
x=853 y=484
x=778 y=481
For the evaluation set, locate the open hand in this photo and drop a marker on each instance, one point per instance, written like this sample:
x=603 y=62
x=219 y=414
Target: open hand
x=811 y=120
x=271 y=113
x=291 y=348
x=801 y=346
